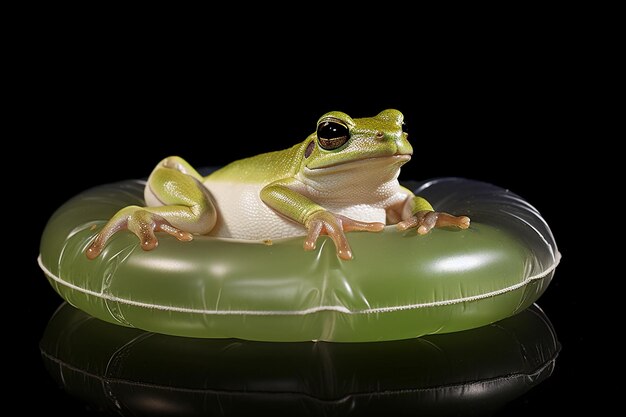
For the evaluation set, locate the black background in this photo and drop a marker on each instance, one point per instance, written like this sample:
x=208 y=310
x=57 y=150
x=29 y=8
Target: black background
x=498 y=114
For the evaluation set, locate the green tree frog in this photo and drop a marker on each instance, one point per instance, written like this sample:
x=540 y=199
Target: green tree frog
x=343 y=177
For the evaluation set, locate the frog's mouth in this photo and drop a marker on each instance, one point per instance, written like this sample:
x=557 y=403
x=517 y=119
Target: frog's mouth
x=391 y=161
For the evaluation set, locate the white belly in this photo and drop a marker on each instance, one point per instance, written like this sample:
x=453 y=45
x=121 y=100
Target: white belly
x=242 y=214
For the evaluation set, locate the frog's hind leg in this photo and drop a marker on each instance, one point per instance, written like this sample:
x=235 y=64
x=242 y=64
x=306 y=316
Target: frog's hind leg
x=175 y=192
x=177 y=203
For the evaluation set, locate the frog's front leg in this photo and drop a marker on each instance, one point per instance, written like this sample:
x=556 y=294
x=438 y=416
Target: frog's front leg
x=416 y=212
x=176 y=203
x=283 y=197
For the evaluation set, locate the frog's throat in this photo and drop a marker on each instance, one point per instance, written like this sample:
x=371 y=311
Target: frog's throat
x=391 y=160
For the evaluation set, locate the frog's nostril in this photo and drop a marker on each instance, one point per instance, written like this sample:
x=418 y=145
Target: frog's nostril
x=380 y=135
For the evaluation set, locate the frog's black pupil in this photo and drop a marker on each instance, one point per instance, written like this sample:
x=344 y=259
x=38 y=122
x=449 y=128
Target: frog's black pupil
x=332 y=135
x=331 y=130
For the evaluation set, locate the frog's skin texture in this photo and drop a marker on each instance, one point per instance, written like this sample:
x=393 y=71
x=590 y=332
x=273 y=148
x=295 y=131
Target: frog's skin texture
x=343 y=177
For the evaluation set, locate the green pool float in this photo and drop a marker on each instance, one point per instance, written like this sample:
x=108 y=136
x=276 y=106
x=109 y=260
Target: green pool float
x=399 y=285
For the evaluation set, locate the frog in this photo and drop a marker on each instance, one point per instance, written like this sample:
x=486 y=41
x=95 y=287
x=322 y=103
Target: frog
x=342 y=178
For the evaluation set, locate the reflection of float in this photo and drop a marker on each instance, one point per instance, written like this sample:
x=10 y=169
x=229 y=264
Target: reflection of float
x=133 y=372
x=398 y=286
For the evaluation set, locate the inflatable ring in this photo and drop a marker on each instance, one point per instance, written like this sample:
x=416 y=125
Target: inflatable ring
x=133 y=372
x=399 y=285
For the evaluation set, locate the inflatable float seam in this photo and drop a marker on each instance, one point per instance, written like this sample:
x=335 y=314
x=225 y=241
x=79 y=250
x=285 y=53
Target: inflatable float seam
x=313 y=310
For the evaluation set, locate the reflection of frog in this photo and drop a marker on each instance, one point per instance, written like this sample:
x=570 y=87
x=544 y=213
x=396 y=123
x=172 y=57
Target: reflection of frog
x=341 y=178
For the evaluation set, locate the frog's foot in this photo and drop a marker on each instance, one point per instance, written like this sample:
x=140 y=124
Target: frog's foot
x=334 y=225
x=426 y=220
x=139 y=221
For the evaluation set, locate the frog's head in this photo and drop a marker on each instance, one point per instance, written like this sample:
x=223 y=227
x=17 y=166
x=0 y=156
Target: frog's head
x=342 y=143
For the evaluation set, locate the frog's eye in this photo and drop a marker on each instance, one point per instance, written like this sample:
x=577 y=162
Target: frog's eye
x=332 y=134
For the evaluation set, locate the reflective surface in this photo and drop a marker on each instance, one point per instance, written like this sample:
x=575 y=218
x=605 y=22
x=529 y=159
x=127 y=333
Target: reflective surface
x=131 y=372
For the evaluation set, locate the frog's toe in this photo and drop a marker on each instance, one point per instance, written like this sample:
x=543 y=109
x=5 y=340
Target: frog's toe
x=143 y=225
x=325 y=222
x=173 y=231
x=448 y=220
x=351 y=225
x=423 y=221
x=315 y=229
x=94 y=249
